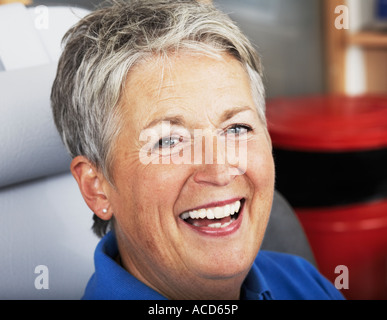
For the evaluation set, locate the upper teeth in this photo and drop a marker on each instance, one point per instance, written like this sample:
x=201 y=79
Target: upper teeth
x=213 y=213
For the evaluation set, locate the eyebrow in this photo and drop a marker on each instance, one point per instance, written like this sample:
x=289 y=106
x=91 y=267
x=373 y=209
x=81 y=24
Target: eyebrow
x=174 y=120
x=179 y=120
x=228 y=114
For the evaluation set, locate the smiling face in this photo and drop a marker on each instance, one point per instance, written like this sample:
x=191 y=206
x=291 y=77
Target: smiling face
x=190 y=229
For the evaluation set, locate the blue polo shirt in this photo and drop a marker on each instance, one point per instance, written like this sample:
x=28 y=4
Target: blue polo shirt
x=272 y=276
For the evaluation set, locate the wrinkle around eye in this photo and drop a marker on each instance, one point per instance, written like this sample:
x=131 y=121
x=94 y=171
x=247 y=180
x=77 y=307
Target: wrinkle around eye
x=161 y=146
x=243 y=127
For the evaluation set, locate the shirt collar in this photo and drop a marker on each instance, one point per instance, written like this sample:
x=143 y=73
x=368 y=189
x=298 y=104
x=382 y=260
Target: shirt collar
x=112 y=280
x=255 y=286
x=119 y=284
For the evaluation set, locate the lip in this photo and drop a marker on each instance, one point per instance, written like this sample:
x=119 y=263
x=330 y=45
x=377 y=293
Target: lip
x=214 y=204
x=219 y=232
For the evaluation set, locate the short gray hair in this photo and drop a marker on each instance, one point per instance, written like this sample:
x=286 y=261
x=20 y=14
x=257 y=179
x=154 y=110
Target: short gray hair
x=105 y=45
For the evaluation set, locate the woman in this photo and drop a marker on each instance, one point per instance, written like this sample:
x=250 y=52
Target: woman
x=161 y=105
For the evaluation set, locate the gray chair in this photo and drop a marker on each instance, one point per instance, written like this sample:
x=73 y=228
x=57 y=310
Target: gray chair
x=285 y=233
x=45 y=226
x=43 y=218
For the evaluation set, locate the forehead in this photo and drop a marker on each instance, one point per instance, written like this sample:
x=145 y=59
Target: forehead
x=188 y=85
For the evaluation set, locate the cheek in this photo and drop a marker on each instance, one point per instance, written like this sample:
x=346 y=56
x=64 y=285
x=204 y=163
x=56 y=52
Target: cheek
x=260 y=166
x=145 y=219
x=261 y=174
x=150 y=192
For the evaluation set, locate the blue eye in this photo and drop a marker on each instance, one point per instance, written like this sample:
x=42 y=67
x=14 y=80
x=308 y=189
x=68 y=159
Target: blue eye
x=168 y=142
x=238 y=129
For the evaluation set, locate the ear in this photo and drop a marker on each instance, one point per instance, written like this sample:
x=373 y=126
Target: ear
x=92 y=185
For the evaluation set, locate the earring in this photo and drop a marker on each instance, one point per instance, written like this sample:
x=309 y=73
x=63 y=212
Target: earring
x=104 y=210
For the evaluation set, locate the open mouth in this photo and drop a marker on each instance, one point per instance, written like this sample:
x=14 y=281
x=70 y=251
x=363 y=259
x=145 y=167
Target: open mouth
x=219 y=217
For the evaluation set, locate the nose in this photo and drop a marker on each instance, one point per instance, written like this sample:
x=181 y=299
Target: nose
x=213 y=169
x=213 y=174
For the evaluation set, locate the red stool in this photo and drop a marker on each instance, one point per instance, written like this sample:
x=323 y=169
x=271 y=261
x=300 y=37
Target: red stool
x=331 y=165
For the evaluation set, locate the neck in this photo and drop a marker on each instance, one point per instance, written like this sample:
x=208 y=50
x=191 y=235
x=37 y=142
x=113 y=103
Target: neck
x=184 y=287
x=179 y=284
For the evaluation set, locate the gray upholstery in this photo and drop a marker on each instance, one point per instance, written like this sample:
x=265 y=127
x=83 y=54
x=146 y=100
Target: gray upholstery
x=43 y=218
x=45 y=222
x=31 y=147
x=284 y=232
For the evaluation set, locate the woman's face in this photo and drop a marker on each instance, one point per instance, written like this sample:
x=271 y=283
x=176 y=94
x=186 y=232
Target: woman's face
x=172 y=178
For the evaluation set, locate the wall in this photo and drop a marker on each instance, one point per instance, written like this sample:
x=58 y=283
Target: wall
x=288 y=36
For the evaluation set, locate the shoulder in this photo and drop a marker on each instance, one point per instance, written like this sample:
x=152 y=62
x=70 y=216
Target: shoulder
x=282 y=260
x=112 y=282
x=292 y=277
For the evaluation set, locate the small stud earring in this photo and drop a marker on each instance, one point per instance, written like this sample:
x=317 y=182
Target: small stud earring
x=104 y=210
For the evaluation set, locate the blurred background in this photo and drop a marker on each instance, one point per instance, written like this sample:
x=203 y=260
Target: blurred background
x=297 y=38
x=325 y=69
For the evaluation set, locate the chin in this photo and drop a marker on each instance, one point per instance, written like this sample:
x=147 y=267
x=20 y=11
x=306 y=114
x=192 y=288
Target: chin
x=227 y=263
